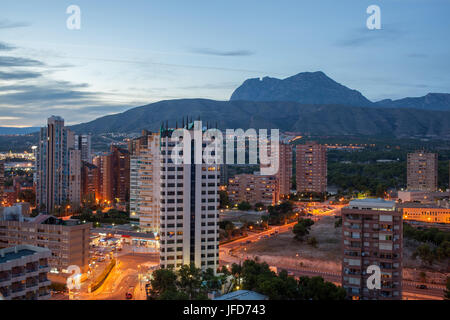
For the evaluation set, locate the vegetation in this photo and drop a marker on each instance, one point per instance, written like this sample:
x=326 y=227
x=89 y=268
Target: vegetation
x=112 y=216
x=225 y=201
x=435 y=243
x=301 y=229
x=280 y=214
x=188 y=282
x=244 y=206
x=258 y=277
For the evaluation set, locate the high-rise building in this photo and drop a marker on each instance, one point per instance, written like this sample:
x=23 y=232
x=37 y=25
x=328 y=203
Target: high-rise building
x=311 y=167
x=74 y=178
x=2 y=181
x=52 y=165
x=145 y=167
x=83 y=143
x=253 y=188
x=422 y=172
x=120 y=166
x=189 y=217
x=89 y=182
x=372 y=235
x=23 y=273
x=104 y=187
x=284 y=173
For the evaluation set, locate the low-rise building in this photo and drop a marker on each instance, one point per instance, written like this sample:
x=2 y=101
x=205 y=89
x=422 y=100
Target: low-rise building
x=431 y=213
x=23 y=273
x=68 y=240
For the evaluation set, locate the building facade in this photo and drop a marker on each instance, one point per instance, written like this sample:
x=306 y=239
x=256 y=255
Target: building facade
x=422 y=174
x=2 y=182
x=145 y=168
x=68 y=240
x=189 y=217
x=311 y=167
x=89 y=182
x=372 y=235
x=83 y=143
x=23 y=273
x=253 y=188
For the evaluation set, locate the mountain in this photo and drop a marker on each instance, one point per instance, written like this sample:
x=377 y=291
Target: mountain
x=287 y=116
x=432 y=101
x=15 y=130
x=305 y=88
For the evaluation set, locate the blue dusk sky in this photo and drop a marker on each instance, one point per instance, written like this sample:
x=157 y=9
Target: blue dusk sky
x=131 y=53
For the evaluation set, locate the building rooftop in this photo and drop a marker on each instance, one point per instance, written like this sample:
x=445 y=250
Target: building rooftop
x=242 y=295
x=380 y=204
x=13 y=253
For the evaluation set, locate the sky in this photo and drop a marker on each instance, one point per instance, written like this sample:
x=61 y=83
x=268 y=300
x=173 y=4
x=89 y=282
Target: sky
x=131 y=53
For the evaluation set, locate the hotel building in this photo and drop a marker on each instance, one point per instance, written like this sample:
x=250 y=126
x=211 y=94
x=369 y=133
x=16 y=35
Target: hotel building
x=189 y=217
x=372 y=234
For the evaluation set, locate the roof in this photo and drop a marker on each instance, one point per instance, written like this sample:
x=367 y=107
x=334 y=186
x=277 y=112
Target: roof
x=242 y=295
x=16 y=255
x=20 y=251
x=371 y=204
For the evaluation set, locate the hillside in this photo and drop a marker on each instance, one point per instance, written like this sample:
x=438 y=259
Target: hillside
x=287 y=116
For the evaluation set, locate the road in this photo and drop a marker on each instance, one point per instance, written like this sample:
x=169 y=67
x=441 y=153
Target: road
x=229 y=255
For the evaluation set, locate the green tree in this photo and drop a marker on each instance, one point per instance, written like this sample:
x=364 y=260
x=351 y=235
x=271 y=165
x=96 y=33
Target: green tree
x=164 y=280
x=244 y=206
x=301 y=229
x=190 y=280
x=312 y=241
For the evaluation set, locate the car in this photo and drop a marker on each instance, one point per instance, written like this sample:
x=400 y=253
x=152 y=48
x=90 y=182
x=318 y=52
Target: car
x=128 y=296
x=421 y=286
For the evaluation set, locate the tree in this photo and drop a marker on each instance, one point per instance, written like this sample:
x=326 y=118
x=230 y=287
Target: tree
x=424 y=253
x=244 y=206
x=301 y=229
x=259 y=206
x=190 y=280
x=224 y=200
x=312 y=242
x=164 y=280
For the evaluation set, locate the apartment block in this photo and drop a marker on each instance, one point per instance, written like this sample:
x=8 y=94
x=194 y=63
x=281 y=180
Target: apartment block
x=422 y=174
x=311 y=167
x=145 y=167
x=68 y=240
x=253 y=188
x=89 y=182
x=23 y=273
x=189 y=217
x=372 y=235
x=2 y=182
x=429 y=213
x=83 y=143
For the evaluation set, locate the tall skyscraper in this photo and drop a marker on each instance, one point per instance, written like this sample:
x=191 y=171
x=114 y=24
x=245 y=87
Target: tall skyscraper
x=422 y=172
x=83 y=143
x=120 y=165
x=189 y=200
x=2 y=181
x=104 y=187
x=89 y=182
x=284 y=174
x=311 y=167
x=52 y=165
x=372 y=235
x=145 y=167
x=75 y=178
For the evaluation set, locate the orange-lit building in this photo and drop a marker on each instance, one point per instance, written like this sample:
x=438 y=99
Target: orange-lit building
x=311 y=167
x=89 y=182
x=425 y=213
x=253 y=188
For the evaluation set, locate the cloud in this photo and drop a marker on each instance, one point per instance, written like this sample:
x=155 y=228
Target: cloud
x=213 y=52
x=7 y=24
x=364 y=36
x=6 y=61
x=19 y=75
x=6 y=47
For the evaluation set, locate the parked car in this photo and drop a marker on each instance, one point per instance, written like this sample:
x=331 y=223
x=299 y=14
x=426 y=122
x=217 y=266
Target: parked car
x=421 y=286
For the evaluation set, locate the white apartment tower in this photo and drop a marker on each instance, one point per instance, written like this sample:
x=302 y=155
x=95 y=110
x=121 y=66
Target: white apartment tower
x=145 y=181
x=189 y=232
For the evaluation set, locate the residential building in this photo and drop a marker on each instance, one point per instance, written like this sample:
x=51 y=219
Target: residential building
x=284 y=173
x=372 y=235
x=120 y=164
x=422 y=172
x=253 y=188
x=311 y=167
x=67 y=239
x=145 y=167
x=2 y=182
x=421 y=196
x=23 y=273
x=103 y=163
x=83 y=143
x=189 y=232
x=89 y=182
x=57 y=168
